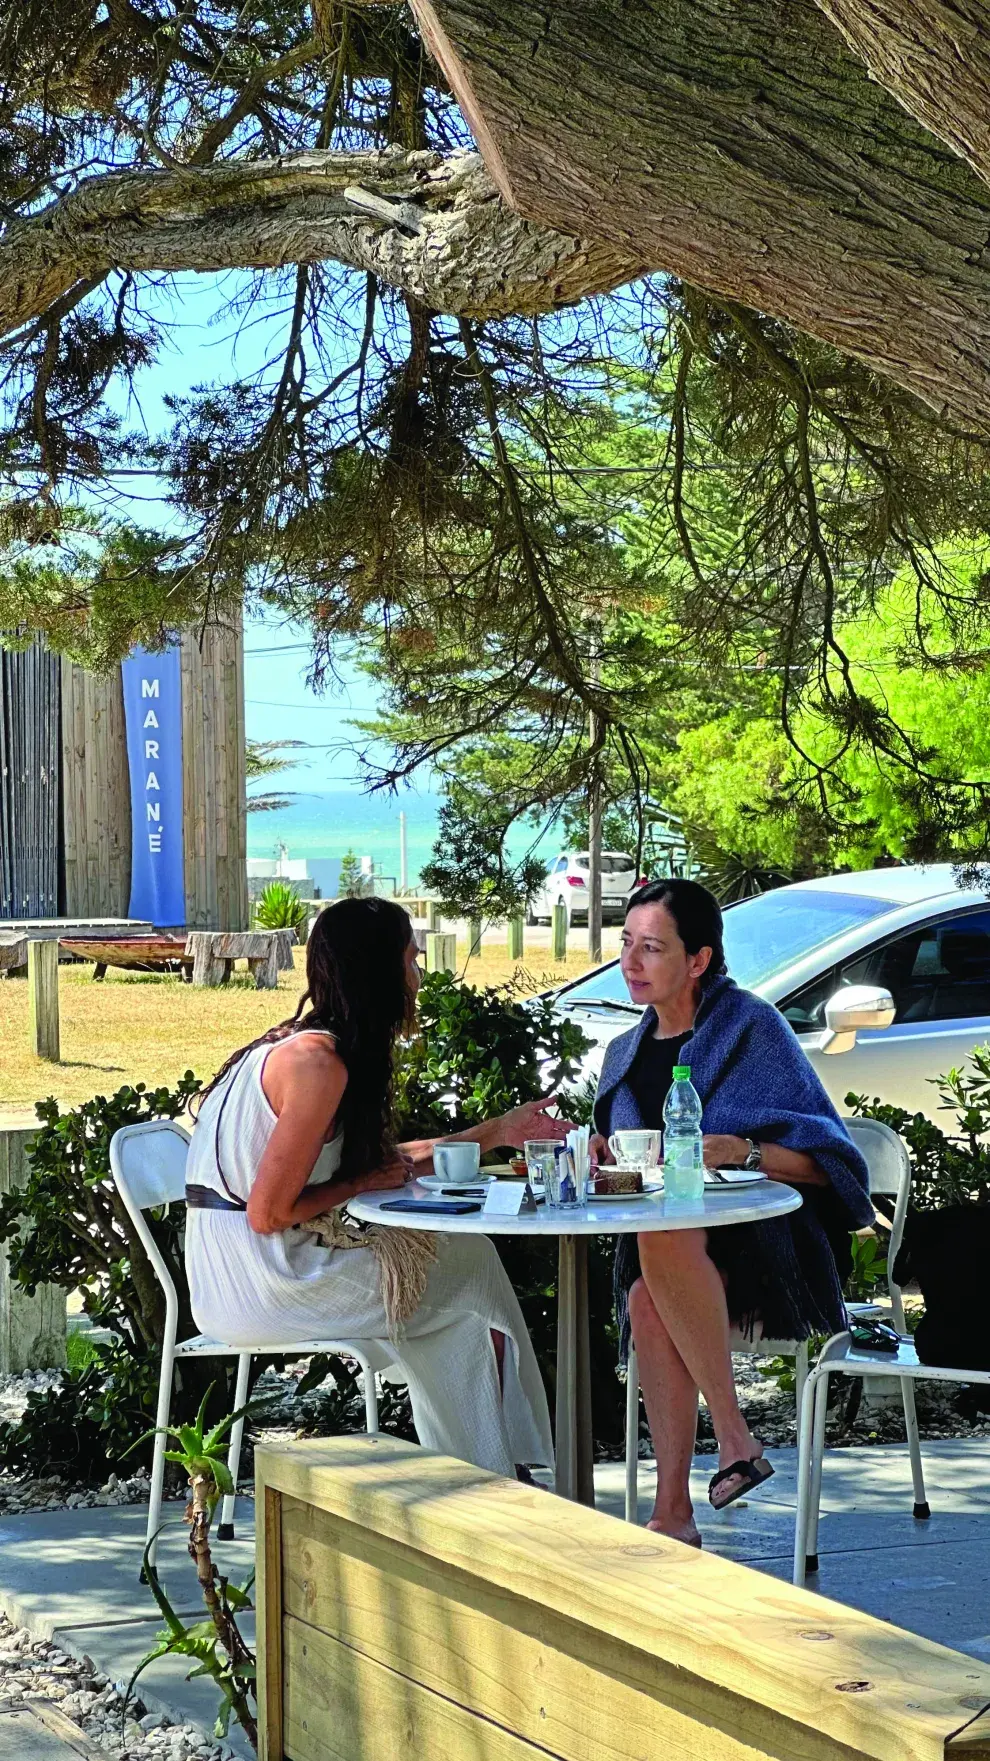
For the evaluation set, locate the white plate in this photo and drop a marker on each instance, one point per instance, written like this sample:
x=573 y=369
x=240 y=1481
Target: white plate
x=734 y=1177
x=478 y=1183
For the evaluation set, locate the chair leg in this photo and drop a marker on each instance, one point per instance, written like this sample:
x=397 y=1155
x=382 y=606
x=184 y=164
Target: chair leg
x=370 y=1395
x=800 y=1374
x=225 y=1530
x=632 y=1437
x=804 y=1473
x=158 y=1457
x=817 y=1463
x=921 y=1506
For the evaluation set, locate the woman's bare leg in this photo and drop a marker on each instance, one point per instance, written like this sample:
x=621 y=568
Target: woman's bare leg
x=670 y=1395
x=689 y=1297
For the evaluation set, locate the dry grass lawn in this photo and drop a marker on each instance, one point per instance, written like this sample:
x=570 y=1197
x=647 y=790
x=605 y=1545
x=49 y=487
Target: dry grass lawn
x=137 y=1027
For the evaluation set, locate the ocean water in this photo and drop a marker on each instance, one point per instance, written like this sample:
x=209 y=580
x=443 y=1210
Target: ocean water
x=331 y=824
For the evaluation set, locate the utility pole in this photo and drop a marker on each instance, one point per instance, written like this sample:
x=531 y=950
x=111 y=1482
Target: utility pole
x=594 y=822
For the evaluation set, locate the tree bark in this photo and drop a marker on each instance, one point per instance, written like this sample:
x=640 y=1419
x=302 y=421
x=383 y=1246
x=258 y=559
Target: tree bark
x=739 y=144
x=434 y=227
x=934 y=55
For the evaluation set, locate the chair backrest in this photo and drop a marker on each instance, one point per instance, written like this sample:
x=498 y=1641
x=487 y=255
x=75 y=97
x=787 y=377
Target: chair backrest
x=889 y=1168
x=148 y=1163
x=884 y=1153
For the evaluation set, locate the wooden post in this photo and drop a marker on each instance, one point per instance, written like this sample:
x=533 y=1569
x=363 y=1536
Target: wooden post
x=32 y=1328
x=432 y=916
x=474 y=937
x=441 y=952
x=516 y=938
x=558 y=942
x=43 y=993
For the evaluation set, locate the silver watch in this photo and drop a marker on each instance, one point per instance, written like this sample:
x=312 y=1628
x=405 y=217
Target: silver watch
x=753 y=1156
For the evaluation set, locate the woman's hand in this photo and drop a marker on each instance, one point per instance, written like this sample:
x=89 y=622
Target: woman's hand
x=530 y=1121
x=395 y=1172
x=598 y=1150
x=724 y=1151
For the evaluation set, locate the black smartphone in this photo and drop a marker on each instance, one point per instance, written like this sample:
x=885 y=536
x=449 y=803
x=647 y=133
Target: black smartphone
x=434 y=1207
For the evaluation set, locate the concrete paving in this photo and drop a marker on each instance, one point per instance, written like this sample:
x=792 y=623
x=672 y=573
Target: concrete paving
x=73 y=1575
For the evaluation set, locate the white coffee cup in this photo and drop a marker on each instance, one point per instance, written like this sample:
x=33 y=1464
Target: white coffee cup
x=456 y=1161
x=636 y=1148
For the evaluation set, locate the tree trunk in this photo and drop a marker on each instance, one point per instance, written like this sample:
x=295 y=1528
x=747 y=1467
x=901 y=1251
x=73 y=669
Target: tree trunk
x=934 y=55
x=739 y=144
x=434 y=227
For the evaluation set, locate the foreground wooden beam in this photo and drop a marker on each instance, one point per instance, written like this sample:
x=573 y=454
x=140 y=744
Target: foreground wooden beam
x=413 y=1606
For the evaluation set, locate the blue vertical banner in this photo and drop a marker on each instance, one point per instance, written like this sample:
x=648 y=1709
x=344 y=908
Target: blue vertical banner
x=153 y=716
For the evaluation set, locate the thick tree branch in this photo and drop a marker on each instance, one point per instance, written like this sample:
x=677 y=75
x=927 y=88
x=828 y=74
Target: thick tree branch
x=934 y=55
x=471 y=254
x=739 y=144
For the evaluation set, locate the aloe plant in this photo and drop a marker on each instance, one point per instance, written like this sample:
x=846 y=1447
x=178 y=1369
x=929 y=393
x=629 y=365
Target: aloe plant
x=215 y=1646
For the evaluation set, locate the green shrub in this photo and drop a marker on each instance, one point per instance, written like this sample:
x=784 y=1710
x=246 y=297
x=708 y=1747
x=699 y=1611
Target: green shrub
x=67 y=1226
x=948 y=1167
x=280 y=907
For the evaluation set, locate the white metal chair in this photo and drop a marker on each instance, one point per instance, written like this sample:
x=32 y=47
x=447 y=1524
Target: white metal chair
x=886 y=1158
x=890 y=1172
x=149 y=1169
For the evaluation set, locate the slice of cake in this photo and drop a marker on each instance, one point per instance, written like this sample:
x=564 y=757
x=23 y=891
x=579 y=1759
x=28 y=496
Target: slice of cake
x=608 y=1181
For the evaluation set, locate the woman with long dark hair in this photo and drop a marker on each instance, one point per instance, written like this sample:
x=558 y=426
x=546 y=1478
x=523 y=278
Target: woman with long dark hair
x=300 y=1121
x=763 y=1107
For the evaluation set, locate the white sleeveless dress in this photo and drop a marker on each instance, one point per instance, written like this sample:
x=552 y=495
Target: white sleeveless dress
x=251 y=1289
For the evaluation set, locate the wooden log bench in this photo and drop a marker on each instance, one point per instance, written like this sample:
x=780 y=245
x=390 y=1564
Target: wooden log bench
x=267 y=952
x=413 y=1608
x=13 y=953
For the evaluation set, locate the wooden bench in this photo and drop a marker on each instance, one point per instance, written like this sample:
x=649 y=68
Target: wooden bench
x=13 y=953
x=267 y=952
x=413 y=1607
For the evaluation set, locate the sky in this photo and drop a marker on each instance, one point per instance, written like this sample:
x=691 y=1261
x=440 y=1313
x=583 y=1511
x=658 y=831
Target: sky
x=279 y=705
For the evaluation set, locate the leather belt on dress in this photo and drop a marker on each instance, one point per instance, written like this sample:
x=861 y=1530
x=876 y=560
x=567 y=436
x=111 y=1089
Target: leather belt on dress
x=203 y=1198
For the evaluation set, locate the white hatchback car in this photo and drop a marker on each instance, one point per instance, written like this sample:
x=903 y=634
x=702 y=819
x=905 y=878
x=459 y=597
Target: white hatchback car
x=567 y=884
x=884 y=976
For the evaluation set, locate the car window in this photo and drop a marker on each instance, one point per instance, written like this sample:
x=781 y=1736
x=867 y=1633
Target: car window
x=765 y=934
x=617 y=865
x=560 y=865
x=581 y=862
x=940 y=972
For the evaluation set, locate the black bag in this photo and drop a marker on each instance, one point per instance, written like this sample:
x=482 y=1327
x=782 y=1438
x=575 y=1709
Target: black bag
x=947 y=1252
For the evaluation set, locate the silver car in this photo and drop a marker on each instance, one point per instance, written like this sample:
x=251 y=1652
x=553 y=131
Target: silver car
x=884 y=976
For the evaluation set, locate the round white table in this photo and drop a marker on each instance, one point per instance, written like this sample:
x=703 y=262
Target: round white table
x=721 y=1205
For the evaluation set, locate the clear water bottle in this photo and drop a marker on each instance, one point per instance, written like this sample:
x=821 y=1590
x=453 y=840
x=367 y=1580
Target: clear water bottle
x=683 y=1160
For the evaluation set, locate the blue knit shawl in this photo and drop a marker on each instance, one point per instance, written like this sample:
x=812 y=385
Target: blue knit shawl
x=754 y=1081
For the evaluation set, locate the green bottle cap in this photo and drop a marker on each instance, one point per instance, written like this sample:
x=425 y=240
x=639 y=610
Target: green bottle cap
x=682 y=1072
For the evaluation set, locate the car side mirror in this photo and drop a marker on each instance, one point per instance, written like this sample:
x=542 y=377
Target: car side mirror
x=855 y=1006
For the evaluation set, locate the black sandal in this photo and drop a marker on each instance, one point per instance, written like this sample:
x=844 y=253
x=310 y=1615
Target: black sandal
x=751 y=1473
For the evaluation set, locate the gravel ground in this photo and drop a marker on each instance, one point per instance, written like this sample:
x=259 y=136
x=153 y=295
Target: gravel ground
x=36 y=1667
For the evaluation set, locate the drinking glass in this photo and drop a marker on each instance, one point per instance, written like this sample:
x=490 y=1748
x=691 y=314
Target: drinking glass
x=540 y=1164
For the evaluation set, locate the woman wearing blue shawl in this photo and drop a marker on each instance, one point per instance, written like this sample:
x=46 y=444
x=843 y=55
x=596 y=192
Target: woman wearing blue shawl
x=682 y=1291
